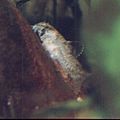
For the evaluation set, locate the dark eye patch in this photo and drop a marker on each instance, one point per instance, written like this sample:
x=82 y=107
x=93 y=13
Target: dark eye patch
x=42 y=32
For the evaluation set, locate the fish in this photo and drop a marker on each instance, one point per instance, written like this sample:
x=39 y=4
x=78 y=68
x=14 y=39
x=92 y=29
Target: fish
x=61 y=52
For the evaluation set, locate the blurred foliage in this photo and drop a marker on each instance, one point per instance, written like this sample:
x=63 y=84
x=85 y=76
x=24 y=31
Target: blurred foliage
x=65 y=108
x=102 y=36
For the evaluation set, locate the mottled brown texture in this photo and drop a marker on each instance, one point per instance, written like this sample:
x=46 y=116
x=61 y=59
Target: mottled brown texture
x=28 y=78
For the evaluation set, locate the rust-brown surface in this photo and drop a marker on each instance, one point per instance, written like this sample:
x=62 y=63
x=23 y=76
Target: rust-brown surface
x=28 y=78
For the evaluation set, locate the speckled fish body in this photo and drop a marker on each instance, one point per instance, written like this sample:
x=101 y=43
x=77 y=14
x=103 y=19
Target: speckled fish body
x=60 y=50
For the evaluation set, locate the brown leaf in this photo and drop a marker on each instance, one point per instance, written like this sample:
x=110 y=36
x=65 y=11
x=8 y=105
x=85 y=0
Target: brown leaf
x=29 y=80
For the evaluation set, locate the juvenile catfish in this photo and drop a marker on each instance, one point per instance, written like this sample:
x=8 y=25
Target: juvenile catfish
x=60 y=52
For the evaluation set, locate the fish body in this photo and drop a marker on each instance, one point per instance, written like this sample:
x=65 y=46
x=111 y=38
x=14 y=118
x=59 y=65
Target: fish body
x=61 y=51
